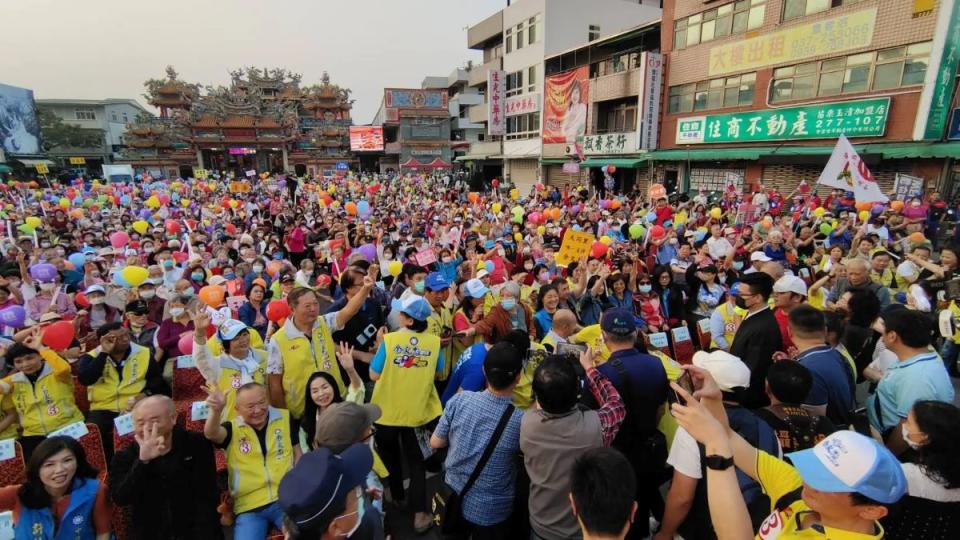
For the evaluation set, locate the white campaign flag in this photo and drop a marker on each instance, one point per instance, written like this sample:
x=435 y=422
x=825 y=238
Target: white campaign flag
x=845 y=170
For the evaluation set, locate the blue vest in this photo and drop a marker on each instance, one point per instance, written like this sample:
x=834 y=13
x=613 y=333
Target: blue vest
x=77 y=522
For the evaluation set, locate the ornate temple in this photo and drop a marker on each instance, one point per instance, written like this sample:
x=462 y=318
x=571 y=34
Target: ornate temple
x=263 y=121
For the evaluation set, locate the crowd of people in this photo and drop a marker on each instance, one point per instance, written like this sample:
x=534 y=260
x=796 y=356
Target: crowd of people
x=367 y=355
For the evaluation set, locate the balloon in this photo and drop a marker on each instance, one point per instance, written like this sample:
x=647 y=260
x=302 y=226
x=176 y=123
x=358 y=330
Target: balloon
x=44 y=272
x=369 y=252
x=33 y=221
x=534 y=217
x=64 y=202
x=604 y=204
x=135 y=275
x=186 y=343
x=153 y=202
x=212 y=295
x=636 y=231
x=274 y=267
x=351 y=208
x=277 y=310
x=606 y=240
x=651 y=216
x=180 y=256
x=394 y=268
x=615 y=203
x=488 y=266
x=59 y=335
x=119 y=280
x=657 y=232
x=896 y=205
x=864 y=215
x=715 y=213
x=141 y=226
x=13 y=316
x=184 y=202
x=819 y=211
x=495 y=183
x=119 y=239
x=473 y=197
x=917 y=238
x=598 y=250
x=81 y=300
x=540 y=230
x=496 y=207
x=514 y=193
x=825 y=228
x=518 y=237
x=77 y=259
x=323 y=280
x=877 y=209
x=172 y=226
x=611 y=169
x=517 y=210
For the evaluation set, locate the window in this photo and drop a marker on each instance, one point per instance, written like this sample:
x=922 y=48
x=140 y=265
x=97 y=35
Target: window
x=125 y=117
x=509 y=40
x=519 y=34
x=113 y=117
x=532 y=79
x=616 y=64
x=800 y=8
x=85 y=114
x=523 y=126
x=534 y=27
x=719 y=93
x=880 y=70
x=617 y=116
x=514 y=83
x=726 y=20
x=593 y=33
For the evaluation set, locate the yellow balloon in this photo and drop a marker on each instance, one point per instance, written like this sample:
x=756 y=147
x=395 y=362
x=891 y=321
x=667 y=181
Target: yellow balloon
x=496 y=207
x=514 y=193
x=135 y=275
x=518 y=237
x=141 y=226
x=153 y=202
x=64 y=202
x=715 y=213
x=33 y=222
x=541 y=229
x=819 y=211
x=863 y=215
x=395 y=267
x=606 y=240
x=184 y=202
x=332 y=189
x=680 y=218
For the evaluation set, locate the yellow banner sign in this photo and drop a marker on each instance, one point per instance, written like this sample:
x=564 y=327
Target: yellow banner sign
x=239 y=187
x=42 y=168
x=794 y=44
x=78 y=161
x=576 y=245
x=199 y=173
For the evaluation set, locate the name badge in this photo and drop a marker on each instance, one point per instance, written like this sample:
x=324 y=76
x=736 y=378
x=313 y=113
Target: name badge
x=199 y=410
x=123 y=424
x=681 y=333
x=6 y=525
x=75 y=430
x=7 y=450
x=185 y=361
x=659 y=340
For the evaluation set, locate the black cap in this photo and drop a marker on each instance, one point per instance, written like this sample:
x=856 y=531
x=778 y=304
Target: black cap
x=619 y=322
x=320 y=481
x=138 y=307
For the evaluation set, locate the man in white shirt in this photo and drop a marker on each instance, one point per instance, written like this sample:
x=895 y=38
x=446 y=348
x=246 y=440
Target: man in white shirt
x=718 y=245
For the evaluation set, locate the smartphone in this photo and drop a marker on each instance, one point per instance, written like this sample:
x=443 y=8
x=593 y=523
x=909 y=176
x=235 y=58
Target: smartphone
x=574 y=349
x=686 y=382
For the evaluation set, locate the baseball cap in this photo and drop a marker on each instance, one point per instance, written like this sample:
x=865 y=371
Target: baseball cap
x=320 y=479
x=416 y=307
x=848 y=462
x=342 y=424
x=482 y=274
x=618 y=322
x=217 y=280
x=50 y=317
x=476 y=289
x=759 y=256
x=436 y=282
x=728 y=370
x=287 y=278
x=229 y=329
x=138 y=307
x=95 y=289
x=791 y=284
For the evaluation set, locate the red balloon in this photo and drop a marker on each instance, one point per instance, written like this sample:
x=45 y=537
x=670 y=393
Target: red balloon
x=81 y=300
x=172 y=227
x=657 y=231
x=278 y=310
x=231 y=228
x=59 y=335
x=598 y=250
x=180 y=256
x=495 y=183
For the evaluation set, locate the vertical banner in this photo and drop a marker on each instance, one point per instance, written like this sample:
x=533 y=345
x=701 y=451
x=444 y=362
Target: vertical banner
x=933 y=112
x=496 y=101
x=648 y=112
x=565 y=106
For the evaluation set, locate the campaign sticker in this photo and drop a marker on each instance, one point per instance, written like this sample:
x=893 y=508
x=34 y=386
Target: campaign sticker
x=75 y=430
x=7 y=450
x=185 y=361
x=123 y=424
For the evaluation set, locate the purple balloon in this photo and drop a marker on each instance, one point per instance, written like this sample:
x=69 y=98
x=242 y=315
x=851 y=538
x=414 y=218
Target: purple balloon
x=369 y=252
x=13 y=316
x=44 y=273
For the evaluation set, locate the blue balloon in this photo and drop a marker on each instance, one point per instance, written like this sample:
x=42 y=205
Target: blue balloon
x=700 y=236
x=13 y=316
x=651 y=216
x=576 y=227
x=125 y=199
x=118 y=279
x=667 y=224
x=77 y=260
x=363 y=207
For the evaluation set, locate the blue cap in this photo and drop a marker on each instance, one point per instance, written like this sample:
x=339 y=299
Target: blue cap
x=229 y=329
x=848 y=462
x=489 y=244
x=416 y=307
x=321 y=480
x=436 y=282
x=618 y=321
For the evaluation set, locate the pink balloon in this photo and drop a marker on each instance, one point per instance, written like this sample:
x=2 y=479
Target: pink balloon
x=119 y=239
x=186 y=343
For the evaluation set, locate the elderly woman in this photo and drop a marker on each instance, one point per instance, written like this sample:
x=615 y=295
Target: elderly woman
x=237 y=364
x=509 y=314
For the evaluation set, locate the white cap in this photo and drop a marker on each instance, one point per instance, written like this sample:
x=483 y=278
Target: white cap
x=759 y=256
x=791 y=284
x=728 y=370
x=476 y=289
x=217 y=280
x=482 y=274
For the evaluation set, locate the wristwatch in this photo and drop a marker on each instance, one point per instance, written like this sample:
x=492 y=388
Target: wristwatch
x=718 y=463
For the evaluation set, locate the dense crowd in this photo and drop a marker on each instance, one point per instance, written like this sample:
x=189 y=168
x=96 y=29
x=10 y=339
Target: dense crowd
x=370 y=355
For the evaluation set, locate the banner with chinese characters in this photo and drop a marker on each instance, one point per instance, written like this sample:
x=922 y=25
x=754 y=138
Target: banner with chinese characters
x=565 y=105
x=796 y=43
x=942 y=81
x=527 y=103
x=648 y=116
x=496 y=90
x=860 y=118
x=576 y=245
x=608 y=143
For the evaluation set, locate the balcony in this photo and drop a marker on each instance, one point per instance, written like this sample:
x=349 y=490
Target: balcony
x=615 y=86
x=478 y=113
x=465 y=123
x=486 y=148
x=484 y=31
x=467 y=99
x=458 y=75
x=478 y=75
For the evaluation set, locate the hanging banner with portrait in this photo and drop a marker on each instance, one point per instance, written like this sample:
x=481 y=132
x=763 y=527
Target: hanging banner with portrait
x=565 y=106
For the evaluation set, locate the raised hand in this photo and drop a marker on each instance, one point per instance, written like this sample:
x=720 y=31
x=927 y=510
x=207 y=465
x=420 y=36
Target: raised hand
x=152 y=444
x=201 y=321
x=345 y=356
x=35 y=339
x=216 y=399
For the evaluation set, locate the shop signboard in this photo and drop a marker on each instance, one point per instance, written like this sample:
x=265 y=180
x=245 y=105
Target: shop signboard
x=366 y=138
x=797 y=43
x=523 y=104
x=651 y=69
x=953 y=134
x=608 y=143
x=859 y=118
x=944 y=77
x=497 y=89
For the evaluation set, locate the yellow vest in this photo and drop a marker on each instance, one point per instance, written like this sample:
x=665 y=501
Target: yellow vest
x=523 y=392
x=592 y=337
x=405 y=390
x=48 y=404
x=884 y=278
x=113 y=389
x=7 y=407
x=303 y=357
x=216 y=346
x=231 y=378
x=255 y=475
x=436 y=322
x=955 y=310
x=728 y=313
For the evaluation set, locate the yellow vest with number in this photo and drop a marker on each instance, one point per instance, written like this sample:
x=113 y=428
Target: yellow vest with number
x=436 y=323
x=302 y=358
x=254 y=474
x=46 y=405
x=113 y=389
x=216 y=346
x=728 y=313
x=231 y=378
x=405 y=390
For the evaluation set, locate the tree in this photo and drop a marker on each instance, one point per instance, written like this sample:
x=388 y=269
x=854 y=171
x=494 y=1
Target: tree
x=57 y=133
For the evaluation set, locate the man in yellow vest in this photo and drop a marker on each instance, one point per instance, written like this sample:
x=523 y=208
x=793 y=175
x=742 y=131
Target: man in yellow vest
x=440 y=322
x=304 y=345
x=117 y=374
x=260 y=450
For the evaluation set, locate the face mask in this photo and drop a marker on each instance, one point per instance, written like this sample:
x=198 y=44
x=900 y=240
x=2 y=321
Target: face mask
x=741 y=303
x=419 y=286
x=508 y=303
x=168 y=263
x=910 y=443
x=197 y=276
x=186 y=292
x=360 y=510
x=248 y=260
x=645 y=289
x=446 y=259
x=501 y=252
x=97 y=301
x=257 y=268
x=155 y=281
x=44 y=245
x=230 y=275
x=147 y=295
x=61 y=253
x=148 y=249
x=387 y=255
x=737 y=265
x=176 y=312
x=528 y=267
x=915 y=204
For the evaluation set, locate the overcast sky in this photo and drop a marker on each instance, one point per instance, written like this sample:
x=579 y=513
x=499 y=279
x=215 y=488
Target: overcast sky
x=94 y=49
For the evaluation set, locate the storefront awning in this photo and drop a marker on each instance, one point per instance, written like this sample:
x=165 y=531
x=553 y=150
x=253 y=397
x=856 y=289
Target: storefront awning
x=627 y=163
x=35 y=162
x=914 y=150
x=472 y=157
x=554 y=161
x=902 y=150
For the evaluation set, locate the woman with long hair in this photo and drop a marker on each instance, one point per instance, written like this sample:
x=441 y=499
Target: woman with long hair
x=322 y=391
x=254 y=312
x=62 y=497
x=670 y=294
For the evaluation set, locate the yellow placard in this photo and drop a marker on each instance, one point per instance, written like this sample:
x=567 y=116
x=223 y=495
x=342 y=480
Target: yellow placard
x=199 y=174
x=78 y=161
x=828 y=36
x=239 y=187
x=42 y=168
x=576 y=245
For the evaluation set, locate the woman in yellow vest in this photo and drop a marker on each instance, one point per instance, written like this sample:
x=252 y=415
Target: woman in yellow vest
x=41 y=391
x=239 y=365
x=724 y=321
x=260 y=450
x=304 y=345
x=404 y=368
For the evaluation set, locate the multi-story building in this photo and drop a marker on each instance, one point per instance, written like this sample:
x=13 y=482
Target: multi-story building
x=107 y=116
x=461 y=97
x=758 y=91
x=515 y=42
x=416 y=129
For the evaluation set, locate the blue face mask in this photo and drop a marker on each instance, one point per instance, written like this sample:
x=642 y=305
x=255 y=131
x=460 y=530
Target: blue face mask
x=645 y=289
x=168 y=263
x=197 y=276
x=737 y=265
x=187 y=292
x=508 y=303
x=230 y=275
x=419 y=286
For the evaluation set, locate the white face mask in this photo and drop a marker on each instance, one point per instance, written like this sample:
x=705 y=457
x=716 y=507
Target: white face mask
x=97 y=301
x=176 y=312
x=48 y=286
x=904 y=434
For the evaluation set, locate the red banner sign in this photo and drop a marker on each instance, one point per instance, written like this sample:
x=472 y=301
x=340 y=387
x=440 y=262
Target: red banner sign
x=565 y=106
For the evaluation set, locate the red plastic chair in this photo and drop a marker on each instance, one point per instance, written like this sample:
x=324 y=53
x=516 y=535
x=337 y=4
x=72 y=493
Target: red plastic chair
x=13 y=471
x=703 y=333
x=80 y=396
x=682 y=345
x=660 y=342
x=188 y=384
x=93 y=446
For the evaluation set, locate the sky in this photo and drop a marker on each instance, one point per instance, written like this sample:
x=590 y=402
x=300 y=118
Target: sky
x=96 y=49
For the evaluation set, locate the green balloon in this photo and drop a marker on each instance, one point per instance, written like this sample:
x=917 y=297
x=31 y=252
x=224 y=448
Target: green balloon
x=636 y=231
x=825 y=228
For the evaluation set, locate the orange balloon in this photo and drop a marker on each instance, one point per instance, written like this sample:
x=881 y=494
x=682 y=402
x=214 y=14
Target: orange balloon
x=212 y=295
x=864 y=206
x=615 y=204
x=274 y=267
x=896 y=205
x=473 y=197
x=351 y=208
x=917 y=238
